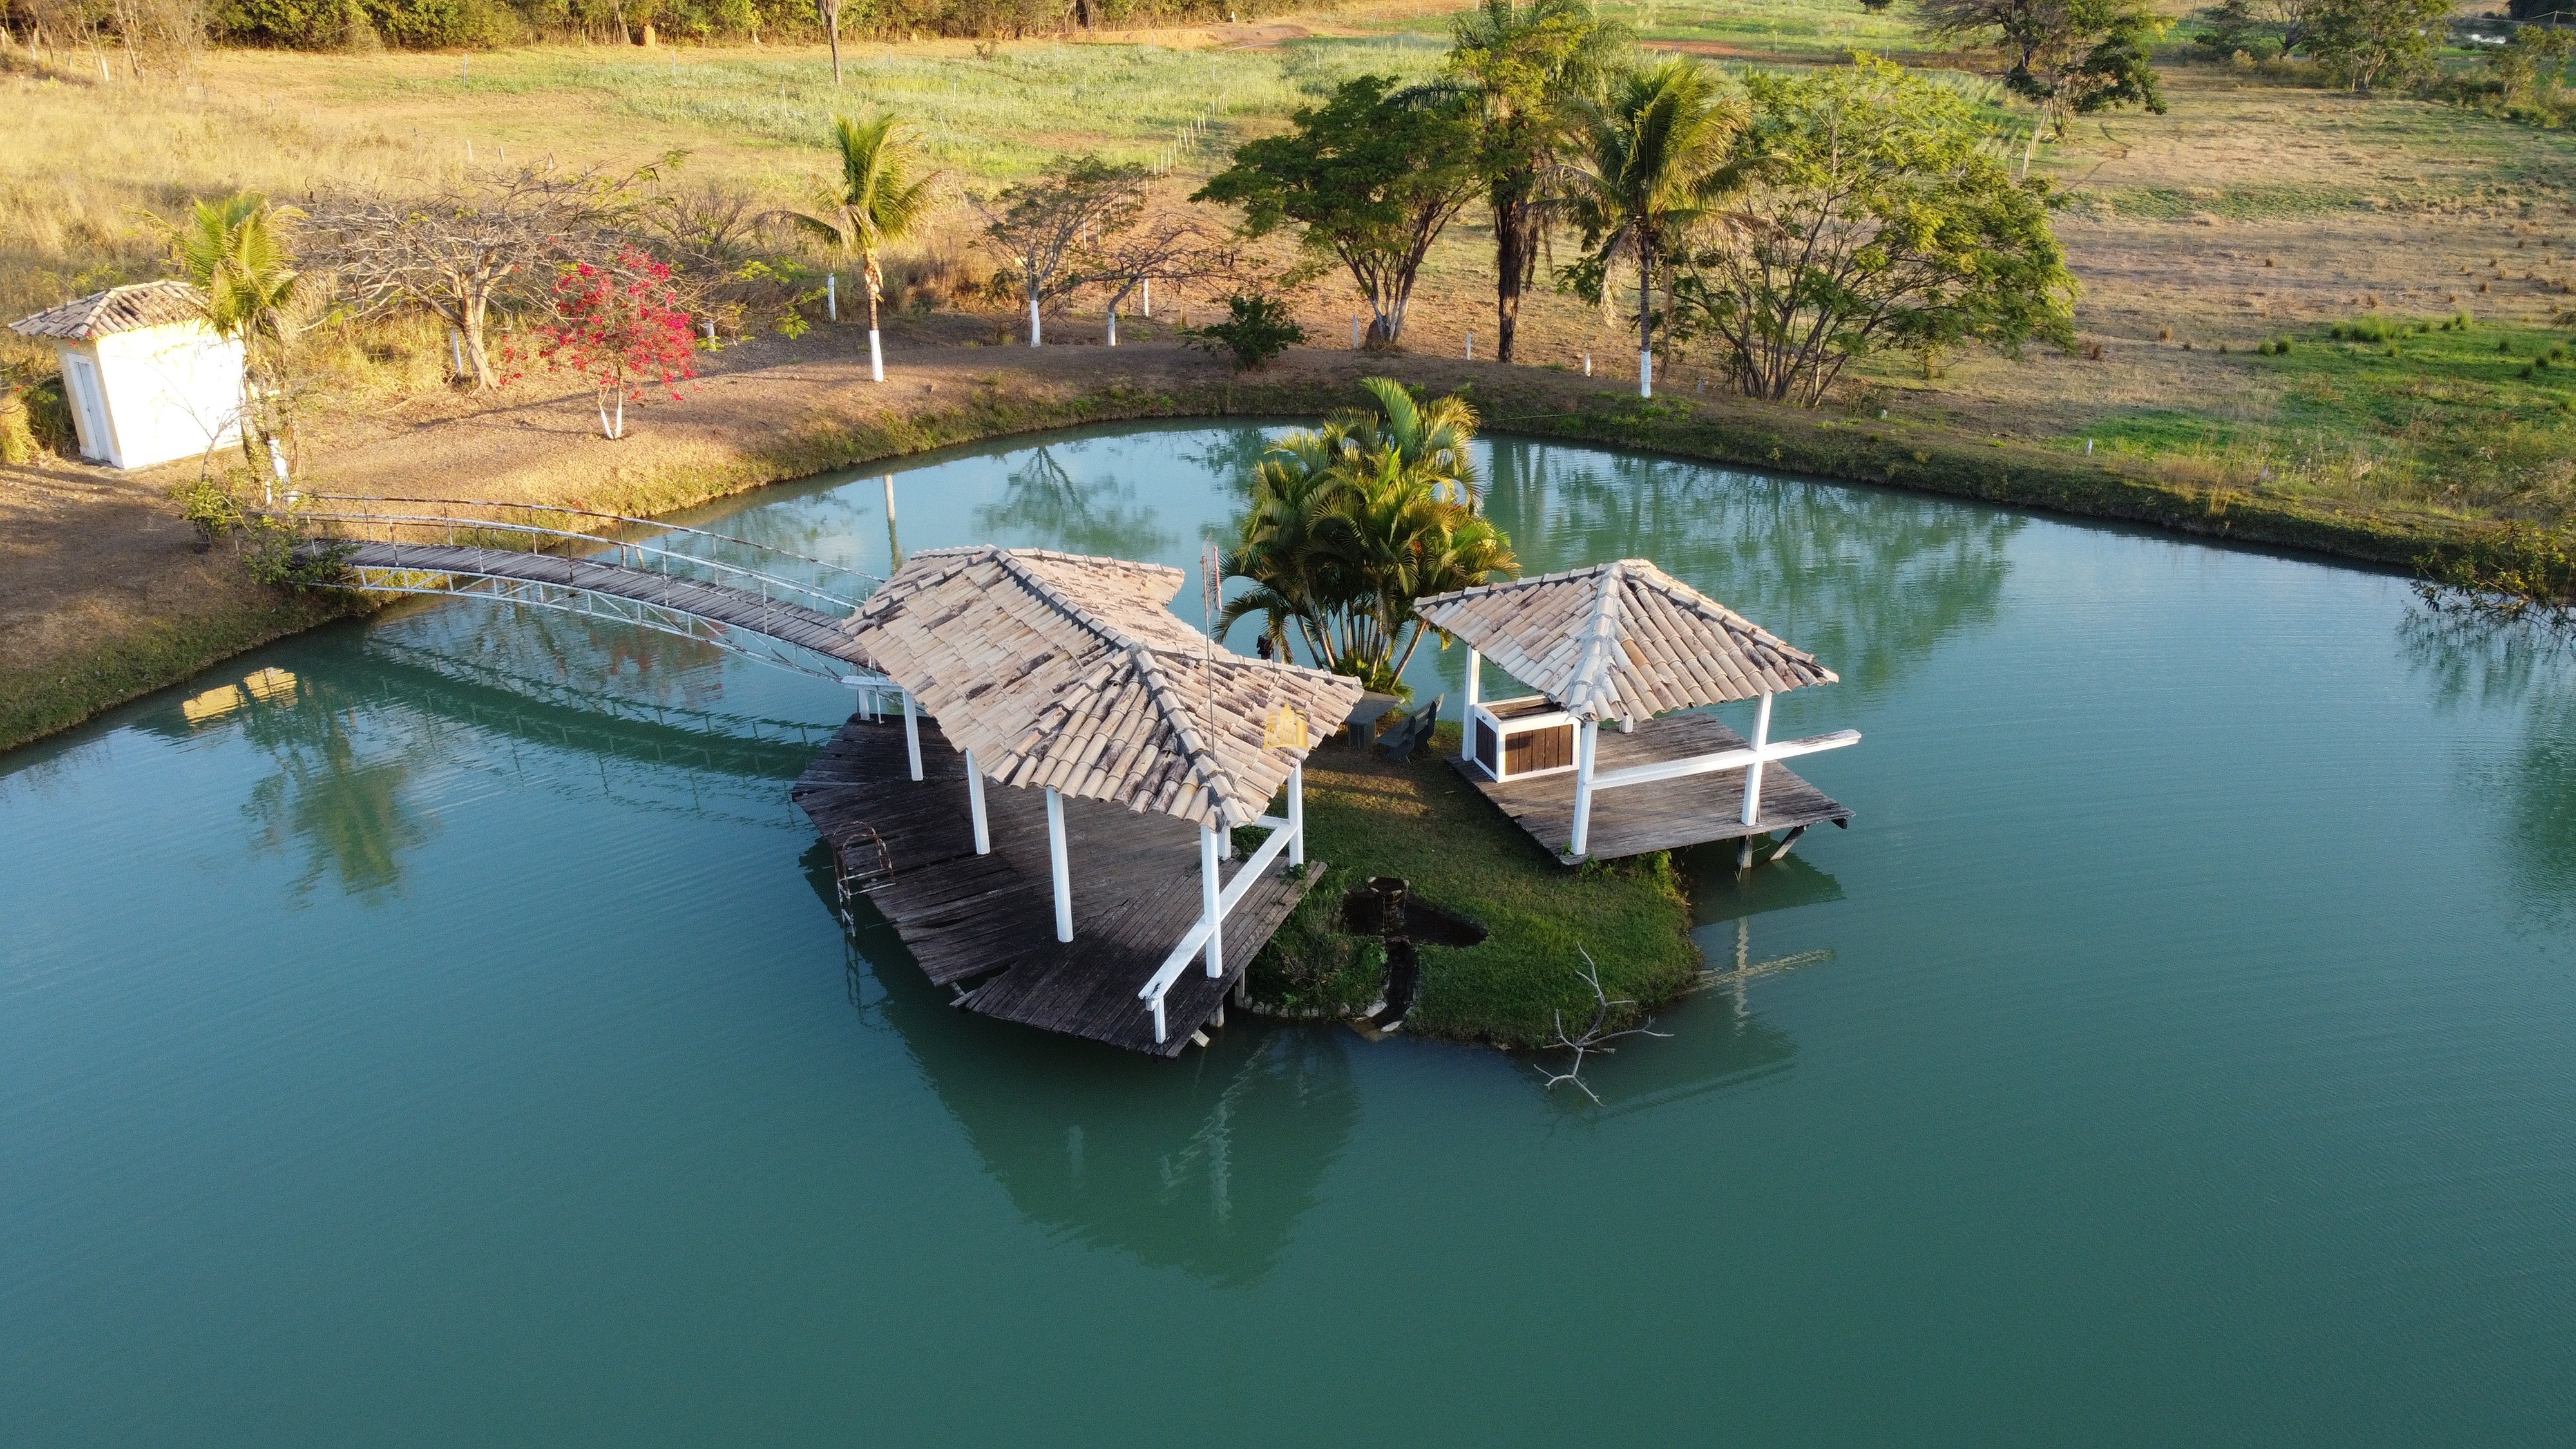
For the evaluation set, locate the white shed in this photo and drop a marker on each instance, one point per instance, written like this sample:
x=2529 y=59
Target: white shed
x=147 y=379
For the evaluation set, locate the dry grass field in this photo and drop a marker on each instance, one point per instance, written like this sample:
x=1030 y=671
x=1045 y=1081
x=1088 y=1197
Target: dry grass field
x=2256 y=210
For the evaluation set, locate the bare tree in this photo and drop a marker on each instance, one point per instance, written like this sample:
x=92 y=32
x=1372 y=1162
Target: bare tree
x=1049 y=232
x=468 y=246
x=1597 y=1036
x=1171 y=252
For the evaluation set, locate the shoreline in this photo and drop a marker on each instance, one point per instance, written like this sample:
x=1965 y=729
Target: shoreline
x=830 y=424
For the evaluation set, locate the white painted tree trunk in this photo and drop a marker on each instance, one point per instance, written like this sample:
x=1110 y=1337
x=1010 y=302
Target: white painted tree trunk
x=1645 y=374
x=1036 y=328
x=1113 y=326
x=832 y=295
x=1147 y=310
x=876 y=357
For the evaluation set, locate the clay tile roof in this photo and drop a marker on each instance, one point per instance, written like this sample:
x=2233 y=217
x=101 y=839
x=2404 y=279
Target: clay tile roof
x=1067 y=671
x=1622 y=640
x=118 y=309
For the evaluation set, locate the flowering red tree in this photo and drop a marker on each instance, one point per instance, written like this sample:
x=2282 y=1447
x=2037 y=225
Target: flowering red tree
x=621 y=326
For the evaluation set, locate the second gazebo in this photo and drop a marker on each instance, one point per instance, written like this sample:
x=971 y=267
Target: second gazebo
x=1626 y=641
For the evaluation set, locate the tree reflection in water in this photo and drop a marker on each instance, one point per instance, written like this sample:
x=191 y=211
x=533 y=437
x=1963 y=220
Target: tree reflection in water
x=1717 y=1040
x=2475 y=660
x=341 y=806
x=1205 y=1164
x=1046 y=503
x=1867 y=581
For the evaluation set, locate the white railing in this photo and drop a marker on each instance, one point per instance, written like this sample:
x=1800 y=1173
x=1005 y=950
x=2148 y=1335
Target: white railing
x=1283 y=833
x=1722 y=760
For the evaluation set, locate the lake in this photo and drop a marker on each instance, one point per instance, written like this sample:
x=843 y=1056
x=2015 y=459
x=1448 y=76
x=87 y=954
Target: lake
x=453 y=1043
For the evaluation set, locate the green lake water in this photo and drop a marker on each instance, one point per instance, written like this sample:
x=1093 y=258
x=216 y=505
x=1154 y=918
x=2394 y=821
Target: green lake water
x=459 y=1049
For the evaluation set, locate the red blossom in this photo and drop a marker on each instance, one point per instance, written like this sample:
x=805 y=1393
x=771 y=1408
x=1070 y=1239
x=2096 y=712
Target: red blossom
x=620 y=326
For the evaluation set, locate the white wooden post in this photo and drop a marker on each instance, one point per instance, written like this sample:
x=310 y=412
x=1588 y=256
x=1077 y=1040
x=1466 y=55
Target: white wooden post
x=911 y=734
x=1585 y=743
x=1063 y=872
x=975 y=803
x=1467 y=721
x=1208 y=888
x=1753 y=772
x=1297 y=813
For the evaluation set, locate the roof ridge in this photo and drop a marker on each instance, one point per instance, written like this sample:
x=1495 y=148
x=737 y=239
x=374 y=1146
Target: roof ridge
x=1037 y=584
x=1595 y=635
x=1200 y=752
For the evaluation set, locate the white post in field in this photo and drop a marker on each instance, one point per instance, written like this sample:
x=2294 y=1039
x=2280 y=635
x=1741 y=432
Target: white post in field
x=975 y=804
x=911 y=734
x=1753 y=772
x=1297 y=813
x=1586 y=742
x=1063 y=872
x=1471 y=344
x=832 y=295
x=1035 y=333
x=1208 y=891
x=1467 y=721
x=1587 y=364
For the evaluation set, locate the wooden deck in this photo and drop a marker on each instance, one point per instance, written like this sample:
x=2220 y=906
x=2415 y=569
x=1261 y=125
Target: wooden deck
x=1667 y=814
x=985 y=925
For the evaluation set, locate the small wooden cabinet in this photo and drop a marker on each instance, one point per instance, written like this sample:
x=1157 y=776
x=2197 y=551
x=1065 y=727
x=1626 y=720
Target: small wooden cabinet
x=1510 y=738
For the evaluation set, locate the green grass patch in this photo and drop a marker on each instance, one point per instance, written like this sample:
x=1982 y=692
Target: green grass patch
x=1365 y=817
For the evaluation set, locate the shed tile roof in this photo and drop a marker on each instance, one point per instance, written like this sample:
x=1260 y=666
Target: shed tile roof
x=1067 y=671
x=118 y=309
x=1622 y=640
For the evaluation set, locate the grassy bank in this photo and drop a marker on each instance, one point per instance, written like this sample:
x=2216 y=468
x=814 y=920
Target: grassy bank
x=1366 y=817
x=119 y=662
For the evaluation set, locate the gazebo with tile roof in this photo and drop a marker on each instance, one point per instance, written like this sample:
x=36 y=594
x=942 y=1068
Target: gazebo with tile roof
x=1068 y=674
x=1626 y=641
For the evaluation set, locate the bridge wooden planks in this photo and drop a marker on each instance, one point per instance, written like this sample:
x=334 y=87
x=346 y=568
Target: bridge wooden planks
x=988 y=922
x=738 y=608
x=1667 y=814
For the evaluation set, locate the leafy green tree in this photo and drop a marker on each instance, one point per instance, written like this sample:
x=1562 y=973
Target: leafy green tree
x=2367 y=43
x=1353 y=523
x=1874 y=216
x=1371 y=178
x=2071 y=57
x=881 y=200
x=1528 y=69
x=1652 y=168
x=236 y=253
x=2533 y=58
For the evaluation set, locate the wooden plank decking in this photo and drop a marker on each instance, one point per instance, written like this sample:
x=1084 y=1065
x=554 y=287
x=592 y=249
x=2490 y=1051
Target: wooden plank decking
x=986 y=924
x=1667 y=814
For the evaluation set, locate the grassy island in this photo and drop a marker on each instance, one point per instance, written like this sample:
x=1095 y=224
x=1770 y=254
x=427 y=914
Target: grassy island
x=1419 y=820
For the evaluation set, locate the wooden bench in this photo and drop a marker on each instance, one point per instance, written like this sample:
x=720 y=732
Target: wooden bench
x=1408 y=735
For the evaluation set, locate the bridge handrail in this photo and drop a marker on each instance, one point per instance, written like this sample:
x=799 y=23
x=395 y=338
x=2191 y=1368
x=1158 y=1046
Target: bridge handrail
x=452 y=524
x=613 y=517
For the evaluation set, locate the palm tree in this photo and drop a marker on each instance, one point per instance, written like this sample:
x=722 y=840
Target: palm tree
x=1349 y=526
x=235 y=253
x=879 y=201
x=1655 y=165
x=1529 y=69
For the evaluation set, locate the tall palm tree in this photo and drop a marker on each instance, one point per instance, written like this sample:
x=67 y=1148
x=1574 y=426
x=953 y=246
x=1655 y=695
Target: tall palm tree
x=880 y=201
x=1654 y=166
x=1428 y=441
x=235 y=252
x=1530 y=68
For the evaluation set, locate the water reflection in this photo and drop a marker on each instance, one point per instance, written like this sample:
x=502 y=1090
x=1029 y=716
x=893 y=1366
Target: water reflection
x=2477 y=663
x=1717 y=1040
x=1046 y=503
x=1205 y=1164
x=337 y=799
x=1869 y=581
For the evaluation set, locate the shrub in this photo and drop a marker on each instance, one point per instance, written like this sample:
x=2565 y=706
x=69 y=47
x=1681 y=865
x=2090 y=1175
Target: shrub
x=1256 y=330
x=17 y=439
x=49 y=417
